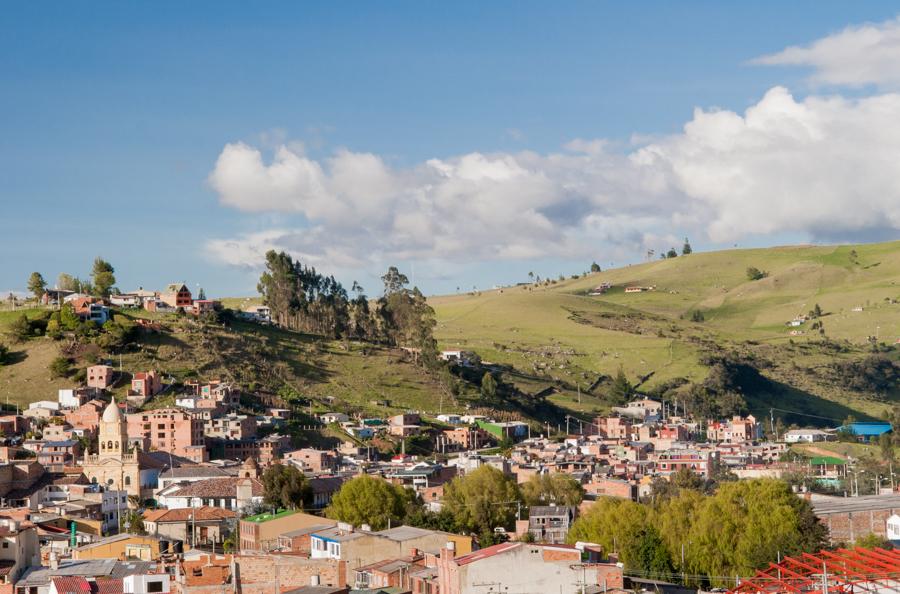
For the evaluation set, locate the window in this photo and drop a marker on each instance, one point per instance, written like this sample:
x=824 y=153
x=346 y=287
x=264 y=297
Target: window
x=154 y=586
x=127 y=480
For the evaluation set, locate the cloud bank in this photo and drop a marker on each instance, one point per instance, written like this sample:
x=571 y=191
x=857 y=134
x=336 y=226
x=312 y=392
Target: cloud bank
x=821 y=167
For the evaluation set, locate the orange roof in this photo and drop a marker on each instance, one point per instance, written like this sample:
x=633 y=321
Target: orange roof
x=201 y=514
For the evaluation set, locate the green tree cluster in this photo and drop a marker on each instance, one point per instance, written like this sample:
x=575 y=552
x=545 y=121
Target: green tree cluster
x=555 y=488
x=285 y=487
x=742 y=527
x=103 y=277
x=621 y=390
x=36 y=285
x=370 y=500
x=483 y=500
x=303 y=299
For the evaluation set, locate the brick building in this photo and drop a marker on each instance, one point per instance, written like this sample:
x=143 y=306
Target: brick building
x=850 y=518
x=100 y=376
x=168 y=430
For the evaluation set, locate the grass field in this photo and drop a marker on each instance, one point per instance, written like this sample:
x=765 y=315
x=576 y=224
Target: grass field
x=559 y=332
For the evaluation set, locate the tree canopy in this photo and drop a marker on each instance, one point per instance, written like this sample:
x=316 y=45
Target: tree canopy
x=369 y=500
x=741 y=527
x=36 y=285
x=103 y=277
x=554 y=488
x=483 y=499
x=286 y=487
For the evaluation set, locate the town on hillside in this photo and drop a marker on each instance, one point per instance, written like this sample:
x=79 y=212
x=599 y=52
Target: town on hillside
x=131 y=481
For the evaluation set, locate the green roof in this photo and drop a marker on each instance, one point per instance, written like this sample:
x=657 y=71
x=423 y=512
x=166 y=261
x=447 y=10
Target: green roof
x=265 y=517
x=829 y=460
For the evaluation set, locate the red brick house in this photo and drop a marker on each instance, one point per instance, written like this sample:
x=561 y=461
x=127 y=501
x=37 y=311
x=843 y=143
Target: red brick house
x=177 y=295
x=146 y=384
x=100 y=376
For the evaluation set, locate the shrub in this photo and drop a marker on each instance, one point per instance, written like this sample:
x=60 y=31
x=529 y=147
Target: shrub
x=755 y=274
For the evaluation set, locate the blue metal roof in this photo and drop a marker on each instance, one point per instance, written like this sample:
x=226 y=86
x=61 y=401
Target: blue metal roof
x=868 y=429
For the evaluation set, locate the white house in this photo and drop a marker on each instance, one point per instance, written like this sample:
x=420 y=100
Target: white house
x=48 y=404
x=258 y=313
x=450 y=419
x=126 y=300
x=146 y=583
x=333 y=417
x=807 y=436
x=75 y=397
x=360 y=432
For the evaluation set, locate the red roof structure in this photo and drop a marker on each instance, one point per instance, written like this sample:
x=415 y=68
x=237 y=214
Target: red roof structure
x=72 y=585
x=826 y=572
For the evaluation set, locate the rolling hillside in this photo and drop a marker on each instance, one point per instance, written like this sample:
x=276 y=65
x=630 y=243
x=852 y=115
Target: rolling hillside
x=555 y=348
x=558 y=334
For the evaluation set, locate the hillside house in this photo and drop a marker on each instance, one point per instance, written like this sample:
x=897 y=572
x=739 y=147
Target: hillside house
x=867 y=432
x=126 y=300
x=202 y=306
x=100 y=376
x=145 y=384
x=807 y=436
x=258 y=313
x=550 y=523
x=177 y=295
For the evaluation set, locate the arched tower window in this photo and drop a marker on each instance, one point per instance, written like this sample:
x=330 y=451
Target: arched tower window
x=127 y=480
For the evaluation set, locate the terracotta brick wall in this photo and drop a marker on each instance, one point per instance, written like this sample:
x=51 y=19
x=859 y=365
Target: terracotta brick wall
x=291 y=572
x=847 y=527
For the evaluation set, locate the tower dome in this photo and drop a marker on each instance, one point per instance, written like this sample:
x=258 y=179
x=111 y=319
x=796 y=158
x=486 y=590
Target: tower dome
x=112 y=414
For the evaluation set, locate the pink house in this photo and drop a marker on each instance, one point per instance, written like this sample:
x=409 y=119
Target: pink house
x=168 y=430
x=146 y=384
x=100 y=376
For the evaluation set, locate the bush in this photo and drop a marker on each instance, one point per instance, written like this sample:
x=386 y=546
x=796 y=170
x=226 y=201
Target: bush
x=20 y=329
x=755 y=274
x=60 y=367
x=697 y=316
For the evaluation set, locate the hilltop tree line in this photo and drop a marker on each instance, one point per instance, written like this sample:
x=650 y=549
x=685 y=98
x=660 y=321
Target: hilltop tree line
x=101 y=284
x=305 y=300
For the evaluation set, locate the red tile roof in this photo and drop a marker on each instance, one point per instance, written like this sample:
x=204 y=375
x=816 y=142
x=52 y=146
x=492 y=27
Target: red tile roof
x=222 y=488
x=201 y=514
x=108 y=586
x=71 y=585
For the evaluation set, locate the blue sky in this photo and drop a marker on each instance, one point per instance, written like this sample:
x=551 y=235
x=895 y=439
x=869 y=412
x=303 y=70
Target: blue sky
x=115 y=116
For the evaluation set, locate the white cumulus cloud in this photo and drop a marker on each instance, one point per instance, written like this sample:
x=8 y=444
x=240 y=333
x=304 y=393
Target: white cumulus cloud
x=822 y=167
x=857 y=56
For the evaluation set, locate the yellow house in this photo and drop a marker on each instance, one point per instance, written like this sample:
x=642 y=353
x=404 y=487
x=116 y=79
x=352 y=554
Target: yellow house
x=120 y=546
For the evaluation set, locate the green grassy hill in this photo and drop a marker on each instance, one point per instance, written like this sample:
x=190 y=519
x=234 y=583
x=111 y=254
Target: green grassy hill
x=558 y=334
x=555 y=347
x=332 y=374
